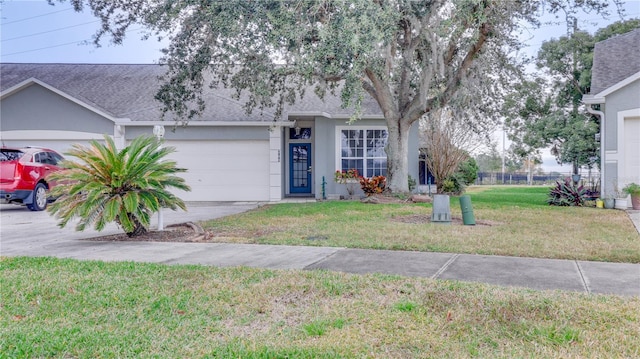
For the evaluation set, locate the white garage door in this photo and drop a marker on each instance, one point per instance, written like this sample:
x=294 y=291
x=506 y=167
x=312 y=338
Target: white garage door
x=632 y=149
x=223 y=170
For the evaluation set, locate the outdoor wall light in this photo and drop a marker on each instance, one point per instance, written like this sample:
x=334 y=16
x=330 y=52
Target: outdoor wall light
x=296 y=128
x=158 y=131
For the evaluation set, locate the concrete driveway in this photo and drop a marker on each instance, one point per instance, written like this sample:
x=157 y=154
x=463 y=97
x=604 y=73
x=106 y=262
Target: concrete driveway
x=23 y=232
x=35 y=234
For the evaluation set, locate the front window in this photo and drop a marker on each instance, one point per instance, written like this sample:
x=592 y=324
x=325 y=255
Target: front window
x=363 y=150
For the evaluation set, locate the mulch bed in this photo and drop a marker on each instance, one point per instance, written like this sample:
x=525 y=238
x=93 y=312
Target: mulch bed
x=184 y=232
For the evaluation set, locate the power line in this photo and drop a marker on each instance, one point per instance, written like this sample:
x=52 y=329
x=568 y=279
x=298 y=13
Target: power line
x=54 y=46
x=563 y=22
x=47 y=47
x=36 y=16
x=49 y=31
x=559 y=23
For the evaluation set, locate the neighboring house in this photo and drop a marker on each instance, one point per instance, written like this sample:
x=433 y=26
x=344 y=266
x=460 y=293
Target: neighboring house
x=615 y=87
x=229 y=155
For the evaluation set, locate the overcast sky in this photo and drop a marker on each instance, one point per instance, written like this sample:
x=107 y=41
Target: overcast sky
x=33 y=31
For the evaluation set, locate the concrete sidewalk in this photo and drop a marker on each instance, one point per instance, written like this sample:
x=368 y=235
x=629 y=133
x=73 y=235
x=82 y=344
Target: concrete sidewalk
x=539 y=274
x=634 y=215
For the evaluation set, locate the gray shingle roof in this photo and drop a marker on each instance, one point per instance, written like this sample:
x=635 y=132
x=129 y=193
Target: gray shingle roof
x=127 y=91
x=614 y=60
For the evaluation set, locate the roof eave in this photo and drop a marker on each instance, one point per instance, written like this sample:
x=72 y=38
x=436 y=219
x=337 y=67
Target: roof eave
x=609 y=90
x=34 y=81
x=207 y=123
x=334 y=116
x=592 y=100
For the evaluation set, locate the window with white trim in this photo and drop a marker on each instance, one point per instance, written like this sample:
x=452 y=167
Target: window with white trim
x=363 y=149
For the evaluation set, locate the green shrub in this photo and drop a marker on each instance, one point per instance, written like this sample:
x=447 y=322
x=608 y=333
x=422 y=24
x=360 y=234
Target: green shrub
x=412 y=183
x=465 y=175
x=450 y=185
x=467 y=172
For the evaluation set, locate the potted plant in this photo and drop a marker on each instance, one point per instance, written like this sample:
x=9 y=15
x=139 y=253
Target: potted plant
x=609 y=202
x=599 y=203
x=621 y=197
x=633 y=189
x=350 y=178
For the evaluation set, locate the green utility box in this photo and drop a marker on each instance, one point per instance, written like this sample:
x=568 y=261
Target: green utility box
x=467 y=211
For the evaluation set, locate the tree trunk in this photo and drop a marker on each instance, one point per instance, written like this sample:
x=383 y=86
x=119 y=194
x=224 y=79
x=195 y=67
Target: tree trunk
x=398 y=156
x=399 y=126
x=138 y=228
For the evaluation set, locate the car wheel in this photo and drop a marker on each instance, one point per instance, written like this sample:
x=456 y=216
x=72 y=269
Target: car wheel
x=39 y=198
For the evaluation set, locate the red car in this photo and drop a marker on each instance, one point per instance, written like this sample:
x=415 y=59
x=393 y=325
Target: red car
x=23 y=175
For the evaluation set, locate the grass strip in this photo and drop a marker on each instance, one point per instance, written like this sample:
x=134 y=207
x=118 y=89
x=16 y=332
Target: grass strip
x=86 y=309
x=512 y=221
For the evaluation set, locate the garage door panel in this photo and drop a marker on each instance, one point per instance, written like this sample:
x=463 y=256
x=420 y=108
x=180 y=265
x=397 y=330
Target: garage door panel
x=221 y=193
x=632 y=149
x=230 y=163
x=215 y=148
x=203 y=178
x=223 y=170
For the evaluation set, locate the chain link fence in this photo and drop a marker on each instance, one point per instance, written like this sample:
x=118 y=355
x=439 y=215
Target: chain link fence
x=591 y=180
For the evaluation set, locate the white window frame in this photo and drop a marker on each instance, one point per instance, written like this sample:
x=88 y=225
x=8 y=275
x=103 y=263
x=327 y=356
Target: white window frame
x=338 y=149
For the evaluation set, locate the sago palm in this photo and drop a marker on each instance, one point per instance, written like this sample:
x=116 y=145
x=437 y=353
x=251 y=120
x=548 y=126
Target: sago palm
x=109 y=185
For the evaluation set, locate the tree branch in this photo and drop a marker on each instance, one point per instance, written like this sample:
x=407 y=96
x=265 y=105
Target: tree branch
x=369 y=88
x=407 y=60
x=382 y=94
x=463 y=69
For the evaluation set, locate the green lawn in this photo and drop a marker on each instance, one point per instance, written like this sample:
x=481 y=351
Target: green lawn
x=65 y=308
x=512 y=221
x=86 y=309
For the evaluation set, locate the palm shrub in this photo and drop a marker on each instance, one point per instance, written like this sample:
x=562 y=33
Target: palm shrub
x=109 y=185
x=567 y=193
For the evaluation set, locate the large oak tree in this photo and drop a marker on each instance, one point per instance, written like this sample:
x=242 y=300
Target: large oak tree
x=410 y=56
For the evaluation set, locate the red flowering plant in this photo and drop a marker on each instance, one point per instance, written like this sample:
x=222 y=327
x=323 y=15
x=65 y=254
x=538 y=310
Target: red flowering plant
x=349 y=178
x=373 y=185
x=345 y=176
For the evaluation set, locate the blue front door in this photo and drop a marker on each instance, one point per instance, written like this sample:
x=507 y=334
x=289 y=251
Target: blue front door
x=300 y=168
